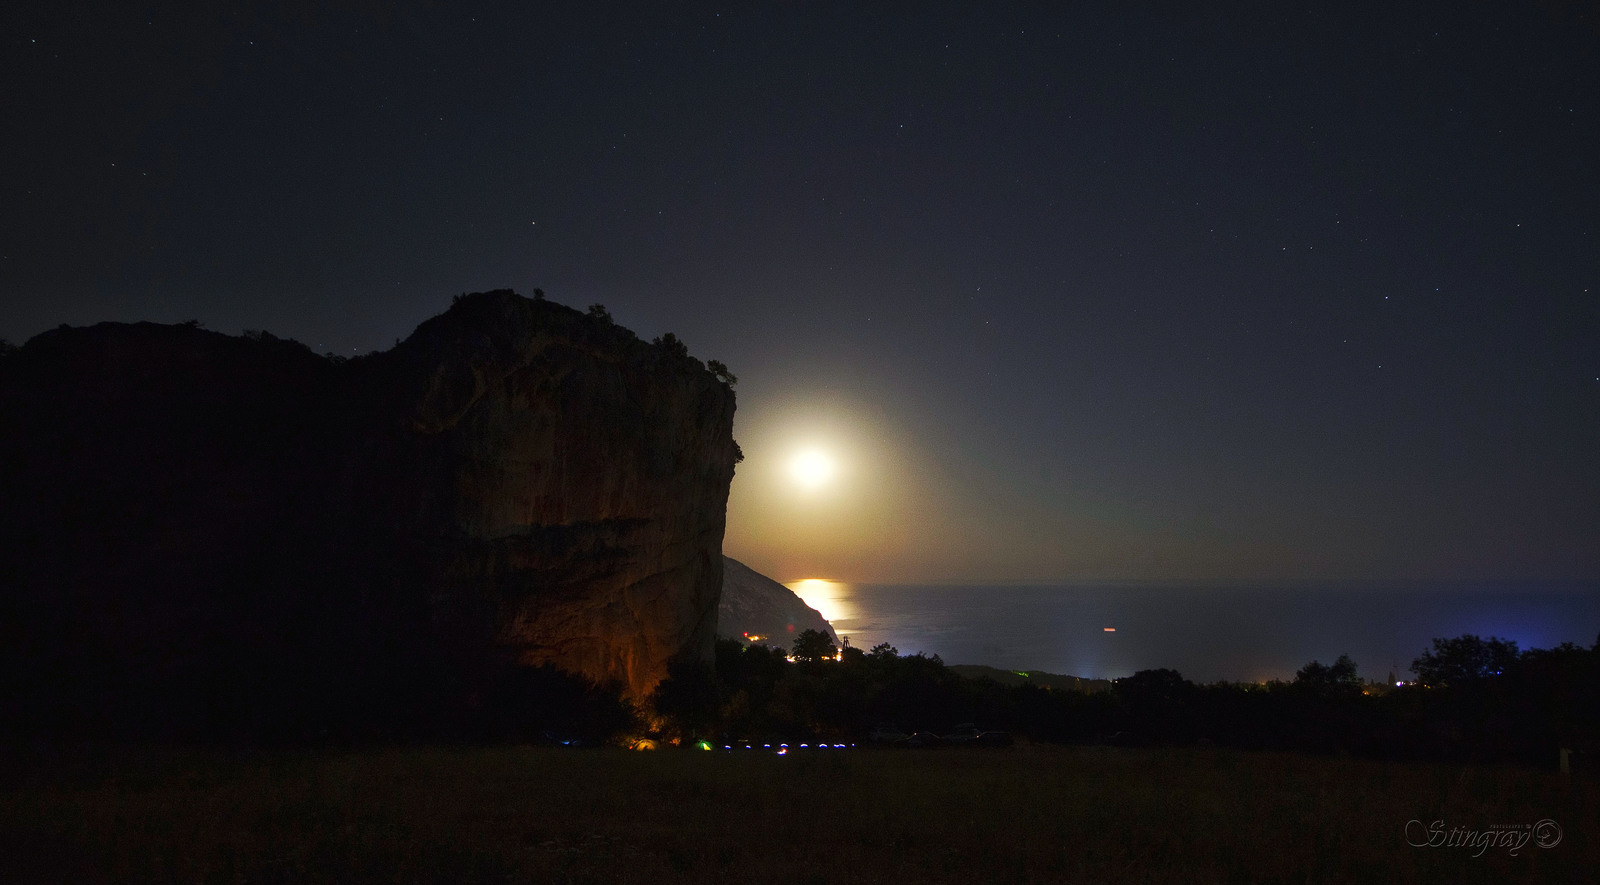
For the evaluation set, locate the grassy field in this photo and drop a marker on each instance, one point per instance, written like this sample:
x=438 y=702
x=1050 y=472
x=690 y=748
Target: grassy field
x=1029 y=814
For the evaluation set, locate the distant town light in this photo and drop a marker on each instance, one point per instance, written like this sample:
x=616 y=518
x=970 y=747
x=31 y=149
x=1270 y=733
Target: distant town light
x=1109 y=629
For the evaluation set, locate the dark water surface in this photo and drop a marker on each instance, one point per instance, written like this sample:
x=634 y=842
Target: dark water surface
x=1237 y=633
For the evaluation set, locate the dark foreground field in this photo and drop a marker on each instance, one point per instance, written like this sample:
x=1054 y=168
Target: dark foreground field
x=1030 y=814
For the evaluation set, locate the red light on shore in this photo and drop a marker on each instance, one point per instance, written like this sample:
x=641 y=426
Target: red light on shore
x=1109 y=629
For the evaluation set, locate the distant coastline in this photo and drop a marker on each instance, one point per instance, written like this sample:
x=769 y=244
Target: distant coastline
x=1237 y=633
x=1052 y=681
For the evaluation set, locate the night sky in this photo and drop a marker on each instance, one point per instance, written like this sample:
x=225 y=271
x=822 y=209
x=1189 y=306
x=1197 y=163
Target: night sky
x=1274 y=291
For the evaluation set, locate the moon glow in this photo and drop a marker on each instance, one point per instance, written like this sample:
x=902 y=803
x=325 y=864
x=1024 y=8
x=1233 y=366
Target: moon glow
x=812 y=469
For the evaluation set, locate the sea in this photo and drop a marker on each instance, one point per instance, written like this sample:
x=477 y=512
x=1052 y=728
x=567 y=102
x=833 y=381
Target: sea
x=1222 y=632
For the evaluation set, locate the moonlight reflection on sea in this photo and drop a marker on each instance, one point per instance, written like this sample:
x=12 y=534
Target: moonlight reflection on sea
x=834 y=600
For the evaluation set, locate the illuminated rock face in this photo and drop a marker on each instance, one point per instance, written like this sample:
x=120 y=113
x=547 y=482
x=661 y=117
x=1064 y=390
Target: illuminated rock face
x=583 y=479
x=241 y=527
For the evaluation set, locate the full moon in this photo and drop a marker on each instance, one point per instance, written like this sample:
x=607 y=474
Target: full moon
x=812 y=469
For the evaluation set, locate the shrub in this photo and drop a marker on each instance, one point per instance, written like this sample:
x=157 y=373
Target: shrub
x=673 y=347
x=721 y=372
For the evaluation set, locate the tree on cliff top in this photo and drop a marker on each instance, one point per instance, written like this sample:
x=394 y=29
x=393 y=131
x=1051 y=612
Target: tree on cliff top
x=674 y=347
x=720 y=370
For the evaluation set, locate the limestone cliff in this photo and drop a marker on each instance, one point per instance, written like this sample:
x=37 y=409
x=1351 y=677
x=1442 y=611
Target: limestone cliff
x=238 y=524
x=755 y=605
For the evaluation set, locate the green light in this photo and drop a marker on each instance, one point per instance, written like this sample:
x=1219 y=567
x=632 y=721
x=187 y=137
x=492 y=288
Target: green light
x=702 y=745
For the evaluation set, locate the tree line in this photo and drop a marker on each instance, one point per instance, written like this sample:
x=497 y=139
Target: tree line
x=1473 y=699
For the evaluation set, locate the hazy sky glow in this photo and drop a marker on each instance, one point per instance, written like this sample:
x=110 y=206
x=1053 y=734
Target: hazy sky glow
x=1253 y=291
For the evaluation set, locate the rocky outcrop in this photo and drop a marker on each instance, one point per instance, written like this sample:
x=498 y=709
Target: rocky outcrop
x=755 y=605
x=239 y=526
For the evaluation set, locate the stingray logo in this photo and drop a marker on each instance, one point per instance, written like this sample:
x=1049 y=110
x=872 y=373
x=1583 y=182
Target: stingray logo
x=1511 y=837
